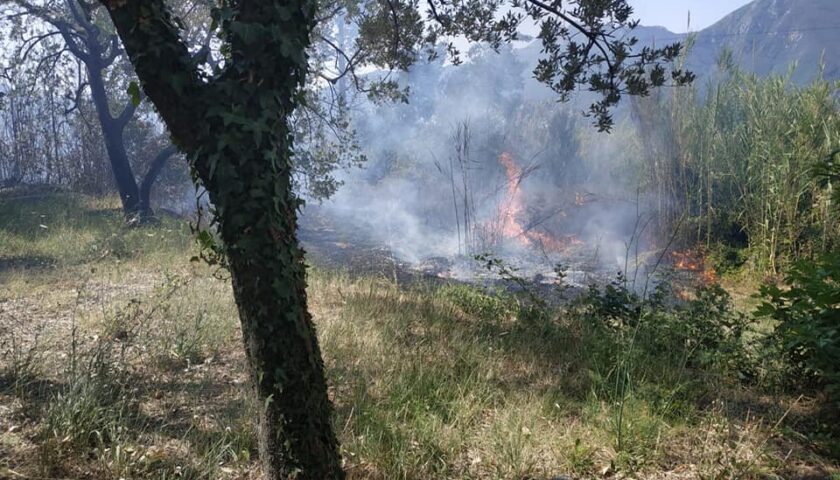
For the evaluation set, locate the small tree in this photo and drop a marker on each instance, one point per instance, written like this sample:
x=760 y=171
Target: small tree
x=234 y=127
x=99 y=51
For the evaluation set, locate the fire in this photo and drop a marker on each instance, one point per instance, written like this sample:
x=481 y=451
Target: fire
x=694 y=261
x=512 y=209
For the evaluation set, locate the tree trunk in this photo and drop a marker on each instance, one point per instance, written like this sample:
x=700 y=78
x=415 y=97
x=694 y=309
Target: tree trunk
x=251 y=189
x=151 y=176
x=235 y=132
x=295 y=434
x=112 y=132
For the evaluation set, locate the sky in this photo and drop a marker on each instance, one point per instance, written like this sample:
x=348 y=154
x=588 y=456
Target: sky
x=673 y=14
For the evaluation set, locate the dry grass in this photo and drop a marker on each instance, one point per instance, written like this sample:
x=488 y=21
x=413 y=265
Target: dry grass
x=121 y=359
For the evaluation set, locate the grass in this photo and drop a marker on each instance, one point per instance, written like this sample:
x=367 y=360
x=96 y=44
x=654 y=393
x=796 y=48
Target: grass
x=126 y=363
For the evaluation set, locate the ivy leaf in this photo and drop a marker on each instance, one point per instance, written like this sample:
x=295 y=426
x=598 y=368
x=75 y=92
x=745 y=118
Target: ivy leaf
x=133 y=91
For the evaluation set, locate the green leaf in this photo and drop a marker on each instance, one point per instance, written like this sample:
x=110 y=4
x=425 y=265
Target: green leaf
x=134 y=93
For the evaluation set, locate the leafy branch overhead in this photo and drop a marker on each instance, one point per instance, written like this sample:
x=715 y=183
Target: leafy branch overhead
x=586 y=45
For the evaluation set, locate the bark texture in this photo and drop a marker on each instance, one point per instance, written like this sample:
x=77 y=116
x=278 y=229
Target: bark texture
x=234 y=130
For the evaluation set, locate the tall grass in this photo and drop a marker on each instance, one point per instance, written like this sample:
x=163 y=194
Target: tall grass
x=428 y=381
x=738 y=157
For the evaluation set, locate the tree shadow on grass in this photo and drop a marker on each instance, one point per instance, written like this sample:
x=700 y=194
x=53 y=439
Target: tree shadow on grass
x=36 y=263
x=25 y=214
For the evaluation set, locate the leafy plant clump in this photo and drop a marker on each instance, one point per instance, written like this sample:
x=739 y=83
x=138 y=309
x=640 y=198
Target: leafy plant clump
x=808 y=328
x=705 y=332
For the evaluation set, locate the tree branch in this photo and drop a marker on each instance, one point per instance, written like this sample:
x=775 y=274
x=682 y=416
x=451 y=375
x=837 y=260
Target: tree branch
x=167 y=72
x=67 y=31
x=113 y=51
x=76 y=98
x=82 y=16
x=577 y=26
x=35 y=10
x=127 y=113
x=351 y=61
x=70 y=37
x=154 y=171
x=35 y=41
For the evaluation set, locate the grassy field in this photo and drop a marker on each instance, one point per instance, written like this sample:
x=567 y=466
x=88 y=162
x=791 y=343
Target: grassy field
x=121 y=359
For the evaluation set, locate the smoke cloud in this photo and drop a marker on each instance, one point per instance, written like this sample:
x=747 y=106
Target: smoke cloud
x=479 y=161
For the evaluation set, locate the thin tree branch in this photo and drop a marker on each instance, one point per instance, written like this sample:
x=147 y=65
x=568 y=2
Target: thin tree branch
x=577 y=26
x=128 y=112
x=35 y=41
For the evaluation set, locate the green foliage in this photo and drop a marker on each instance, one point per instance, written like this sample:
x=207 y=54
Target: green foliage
x=726 y=259
x=739 y=162
x=534 y=302
x=475 y=301
x=808 y=328
x=704 y=332
x=134 y=93
x=828 y=174
x=615 y=304
x=714 y=330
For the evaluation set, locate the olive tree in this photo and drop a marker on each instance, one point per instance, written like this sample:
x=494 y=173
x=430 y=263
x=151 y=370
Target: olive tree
x=89 y=39
x=234 y=126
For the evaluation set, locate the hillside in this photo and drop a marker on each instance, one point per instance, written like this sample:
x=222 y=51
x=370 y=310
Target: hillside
x=765 y=36
x=768 y=36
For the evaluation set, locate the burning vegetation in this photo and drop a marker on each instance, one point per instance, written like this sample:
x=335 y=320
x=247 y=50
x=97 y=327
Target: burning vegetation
x=512 y=211
x=695 y=260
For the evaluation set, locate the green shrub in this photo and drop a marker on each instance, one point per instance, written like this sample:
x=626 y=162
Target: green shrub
x=475 y=301
x=703 y=332
x=714 y=331
x=808 y=328
x=726 y=259
x=614 y=305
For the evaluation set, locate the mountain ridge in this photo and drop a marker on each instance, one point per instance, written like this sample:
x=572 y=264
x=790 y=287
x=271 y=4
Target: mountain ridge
x=772 y=36
x=766 y=37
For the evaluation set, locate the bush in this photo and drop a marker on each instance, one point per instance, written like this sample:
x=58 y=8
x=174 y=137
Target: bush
x=808 y=328
x=707 y=329
x=475 y=301
x=715 y=331
x=616 y=306
x=726 y=259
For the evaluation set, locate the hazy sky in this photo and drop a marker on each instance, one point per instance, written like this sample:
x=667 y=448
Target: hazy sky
x=673 y=14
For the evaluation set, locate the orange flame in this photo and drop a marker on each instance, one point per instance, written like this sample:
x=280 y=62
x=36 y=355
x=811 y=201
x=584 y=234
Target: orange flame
x=513 y=208
x=694 y=261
